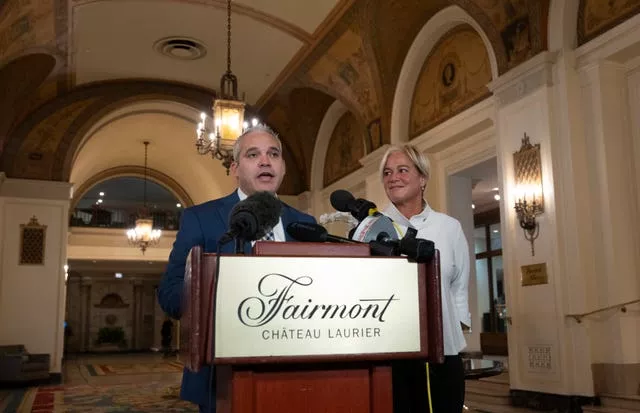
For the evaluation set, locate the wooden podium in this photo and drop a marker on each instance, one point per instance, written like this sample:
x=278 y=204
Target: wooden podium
x=353 y=383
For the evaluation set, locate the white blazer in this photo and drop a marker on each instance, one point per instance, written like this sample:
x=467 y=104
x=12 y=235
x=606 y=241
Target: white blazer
x=448 y=237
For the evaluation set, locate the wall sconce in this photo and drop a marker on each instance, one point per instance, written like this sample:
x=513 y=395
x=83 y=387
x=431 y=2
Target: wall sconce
x=528 y=178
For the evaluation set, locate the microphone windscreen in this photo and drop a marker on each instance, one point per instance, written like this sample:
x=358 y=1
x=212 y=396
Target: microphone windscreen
x=340 y=200
x=266 y=209
x=372 y=226
x=307 y=232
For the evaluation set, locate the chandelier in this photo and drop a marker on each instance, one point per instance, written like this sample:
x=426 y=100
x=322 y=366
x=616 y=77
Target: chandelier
x=228 y=114
x=143 y=235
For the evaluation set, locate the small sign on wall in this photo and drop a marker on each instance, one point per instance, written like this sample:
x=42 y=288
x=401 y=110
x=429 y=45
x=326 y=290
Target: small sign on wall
x=534 y=274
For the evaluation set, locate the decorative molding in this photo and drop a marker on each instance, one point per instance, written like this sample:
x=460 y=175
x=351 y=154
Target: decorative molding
x=242 y=10
x=611 y=45
x=421 y=47
x=371 y=162
x=477 y=118
x=296 y=62
x=34 y=189
x=524 y=79
x=328 y=124
x=355 y=183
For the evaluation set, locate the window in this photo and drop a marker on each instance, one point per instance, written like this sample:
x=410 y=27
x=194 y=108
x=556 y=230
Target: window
x=115 y=203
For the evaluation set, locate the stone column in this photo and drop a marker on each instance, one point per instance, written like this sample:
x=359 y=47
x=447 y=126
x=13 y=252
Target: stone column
x=609 y=204
x=545 y=356
x=137 y=328
x=85 y=294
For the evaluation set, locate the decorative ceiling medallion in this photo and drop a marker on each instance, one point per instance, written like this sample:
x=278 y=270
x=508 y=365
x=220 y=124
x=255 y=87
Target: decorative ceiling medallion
x=182 y=48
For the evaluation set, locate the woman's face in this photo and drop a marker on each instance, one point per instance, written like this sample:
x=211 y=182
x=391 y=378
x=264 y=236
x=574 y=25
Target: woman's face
x=401 y=179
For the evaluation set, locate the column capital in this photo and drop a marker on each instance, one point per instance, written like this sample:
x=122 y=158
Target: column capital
x=524 y=79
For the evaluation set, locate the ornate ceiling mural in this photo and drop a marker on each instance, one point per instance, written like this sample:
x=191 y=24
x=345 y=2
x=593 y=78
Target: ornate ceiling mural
x=43 y=145
x=521 y=24
x=349 y=50
x=20 y=83
x=392 y=27
x=595 y=16
x=346 y=148
x=25 y=24
x=308 y=107
x=453 y=78
x=344 y=69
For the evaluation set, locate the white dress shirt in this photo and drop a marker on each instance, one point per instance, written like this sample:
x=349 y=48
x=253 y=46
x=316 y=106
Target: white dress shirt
x=448 y=237
x=278 y=230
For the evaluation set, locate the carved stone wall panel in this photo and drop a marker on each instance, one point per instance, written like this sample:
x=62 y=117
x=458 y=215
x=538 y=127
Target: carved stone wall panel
x=346 y=148
x=107 y=315
x=453 y=78
x=596 y=17
x=24 y=24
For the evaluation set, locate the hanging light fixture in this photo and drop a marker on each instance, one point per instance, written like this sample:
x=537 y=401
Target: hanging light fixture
x=228 y=114
x=143 y=235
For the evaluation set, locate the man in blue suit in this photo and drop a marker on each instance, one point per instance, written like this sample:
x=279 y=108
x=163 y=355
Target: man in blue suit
x=258 y=166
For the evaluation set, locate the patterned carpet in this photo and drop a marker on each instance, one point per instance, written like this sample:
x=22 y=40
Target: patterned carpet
x=152 y=397
x=137 y=368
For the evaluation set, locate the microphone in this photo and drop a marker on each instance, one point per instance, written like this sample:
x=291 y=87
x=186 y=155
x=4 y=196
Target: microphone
x=309 y=232
x=371 y=223
x=380 y=231
x=253 y=217
x=344 y=201
x=417 y=249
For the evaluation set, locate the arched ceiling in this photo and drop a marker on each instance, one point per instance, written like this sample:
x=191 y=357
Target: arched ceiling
x=101 y=53
x=119 y=141
x=293 y=59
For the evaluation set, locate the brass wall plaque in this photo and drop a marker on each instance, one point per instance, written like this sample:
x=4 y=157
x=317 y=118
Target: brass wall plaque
x=534 y=274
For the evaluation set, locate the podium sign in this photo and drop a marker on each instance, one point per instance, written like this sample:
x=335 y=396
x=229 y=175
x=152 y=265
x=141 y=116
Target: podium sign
x=315 y=306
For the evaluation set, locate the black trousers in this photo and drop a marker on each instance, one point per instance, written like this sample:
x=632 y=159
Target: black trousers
x=411 y=392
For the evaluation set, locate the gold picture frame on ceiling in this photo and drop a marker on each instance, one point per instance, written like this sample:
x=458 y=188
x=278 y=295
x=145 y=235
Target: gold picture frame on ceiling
x=33 y=238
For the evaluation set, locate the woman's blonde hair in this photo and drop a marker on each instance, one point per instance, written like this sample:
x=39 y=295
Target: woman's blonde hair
x=417 y=158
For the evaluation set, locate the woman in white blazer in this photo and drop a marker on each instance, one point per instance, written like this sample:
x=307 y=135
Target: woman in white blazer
x=405 y=174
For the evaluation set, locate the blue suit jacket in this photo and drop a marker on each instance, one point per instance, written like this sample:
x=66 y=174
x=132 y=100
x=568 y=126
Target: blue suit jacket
x=203 y=225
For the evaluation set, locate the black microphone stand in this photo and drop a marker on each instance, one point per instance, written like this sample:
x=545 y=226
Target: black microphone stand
x=239 y=245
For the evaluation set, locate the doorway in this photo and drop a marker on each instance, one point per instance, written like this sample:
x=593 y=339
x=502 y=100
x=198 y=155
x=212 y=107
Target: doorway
x=487 y=298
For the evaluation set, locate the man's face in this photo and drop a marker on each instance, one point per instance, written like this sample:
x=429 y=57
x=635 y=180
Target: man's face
x=259 y=166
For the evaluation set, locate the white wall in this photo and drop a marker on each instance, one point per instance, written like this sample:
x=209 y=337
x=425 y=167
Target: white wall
x=32 y=297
